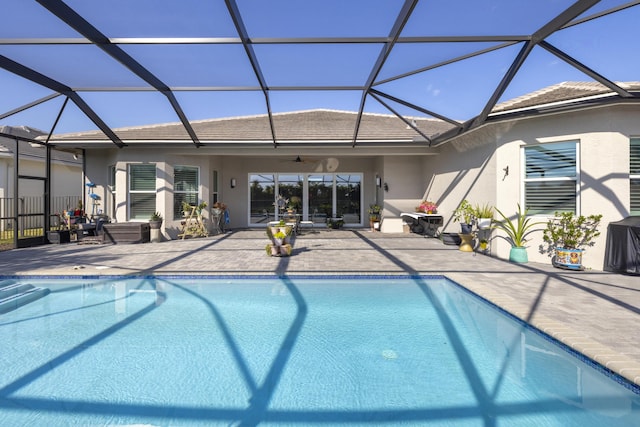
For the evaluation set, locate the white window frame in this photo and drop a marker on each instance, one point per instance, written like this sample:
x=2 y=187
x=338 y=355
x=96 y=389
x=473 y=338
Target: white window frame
x=526 y=180
x=130 y=168
x=177 y=214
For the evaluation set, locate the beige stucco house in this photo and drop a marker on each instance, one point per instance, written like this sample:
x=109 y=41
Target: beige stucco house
x=569 y=145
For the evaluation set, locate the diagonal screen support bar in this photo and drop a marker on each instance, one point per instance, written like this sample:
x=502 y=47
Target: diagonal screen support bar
x=78 y=23
x=56 y=86
x=253 y=59
x=29 y=105
x=401 y=20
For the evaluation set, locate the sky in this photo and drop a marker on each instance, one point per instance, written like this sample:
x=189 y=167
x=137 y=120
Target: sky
x=457 y=90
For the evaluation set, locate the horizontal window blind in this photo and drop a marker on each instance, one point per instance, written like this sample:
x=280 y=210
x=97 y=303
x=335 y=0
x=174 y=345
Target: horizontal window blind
x=185 y=183
x=142 y=177
x=185 y=178
x=551 y=160
x=550 y=178
x=634 y=170
x=549 y=197
x=142 y=191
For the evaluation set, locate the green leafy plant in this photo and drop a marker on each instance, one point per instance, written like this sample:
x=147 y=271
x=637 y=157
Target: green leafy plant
x=335 y=223
x=568 y=231
x=202 y=206
x=517 y=230
x=186 y=207
x=295 y=202
x=483 y=211
x=156 y=216
x=464 y=213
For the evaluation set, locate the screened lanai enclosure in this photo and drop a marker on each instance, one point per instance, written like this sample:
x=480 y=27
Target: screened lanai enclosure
x=127 y=63
x=77 y=66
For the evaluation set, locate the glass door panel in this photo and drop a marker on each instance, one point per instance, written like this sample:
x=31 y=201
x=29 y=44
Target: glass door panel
x=348 y=193
x=261 y=198
x=290 y=187
x=320 y=198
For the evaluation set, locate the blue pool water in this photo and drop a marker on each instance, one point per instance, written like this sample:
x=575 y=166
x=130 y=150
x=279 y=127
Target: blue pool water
x=412 y=351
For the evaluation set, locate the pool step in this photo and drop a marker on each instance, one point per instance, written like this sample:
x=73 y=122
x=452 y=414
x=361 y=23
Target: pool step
x=14 y=295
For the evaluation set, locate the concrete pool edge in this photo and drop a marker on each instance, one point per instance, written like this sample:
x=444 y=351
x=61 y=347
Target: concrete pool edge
x=582 y=344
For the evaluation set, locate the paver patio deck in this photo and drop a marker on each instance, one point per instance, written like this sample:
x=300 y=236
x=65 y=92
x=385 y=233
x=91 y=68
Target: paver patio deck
x=597 y=313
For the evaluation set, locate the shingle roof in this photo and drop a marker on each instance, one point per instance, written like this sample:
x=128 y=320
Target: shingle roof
x=29 y=150
x=311 y=125
x=332 y=125
x=565 y=91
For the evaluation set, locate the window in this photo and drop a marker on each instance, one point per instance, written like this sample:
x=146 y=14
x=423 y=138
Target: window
x=185 y=188
x=216 y=190
x=142 y=191
x=550 y=183
x=634 y=175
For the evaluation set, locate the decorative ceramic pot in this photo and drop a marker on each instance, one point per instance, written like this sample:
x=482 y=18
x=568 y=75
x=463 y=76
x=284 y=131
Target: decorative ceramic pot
x=568 y=258
x=518 y=254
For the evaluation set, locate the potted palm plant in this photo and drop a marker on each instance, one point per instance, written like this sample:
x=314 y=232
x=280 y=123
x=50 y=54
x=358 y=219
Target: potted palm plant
x=567 y=235
x=517 y=231
x=155 y=221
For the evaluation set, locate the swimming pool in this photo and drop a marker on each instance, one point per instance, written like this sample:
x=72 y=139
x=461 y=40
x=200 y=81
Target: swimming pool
x=290 y=351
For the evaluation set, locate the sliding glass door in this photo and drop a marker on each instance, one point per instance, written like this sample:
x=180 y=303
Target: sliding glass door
x=315 y=197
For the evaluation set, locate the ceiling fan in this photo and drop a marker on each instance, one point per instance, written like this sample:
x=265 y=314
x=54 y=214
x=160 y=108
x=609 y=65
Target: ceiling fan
x=329 y=164
x=299 y=159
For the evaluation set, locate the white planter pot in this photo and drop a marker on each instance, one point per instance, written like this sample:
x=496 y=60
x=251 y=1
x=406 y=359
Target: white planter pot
x=484 y=223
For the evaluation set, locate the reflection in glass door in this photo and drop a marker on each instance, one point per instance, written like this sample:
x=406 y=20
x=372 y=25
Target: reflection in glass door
x=290 y=187
x=348 y=191
x=261 y=197
x=320 y=198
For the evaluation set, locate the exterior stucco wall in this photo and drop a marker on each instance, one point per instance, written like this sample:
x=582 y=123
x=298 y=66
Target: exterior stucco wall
x=603 y=137
x=98 y=162
x=483 y=167
x=239 y=167
x=464 y=169
x=474 y=168
x=405 y=180
x=227 y=167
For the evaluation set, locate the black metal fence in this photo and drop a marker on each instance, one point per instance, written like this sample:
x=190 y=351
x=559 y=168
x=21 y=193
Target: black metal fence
x=30 y=221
